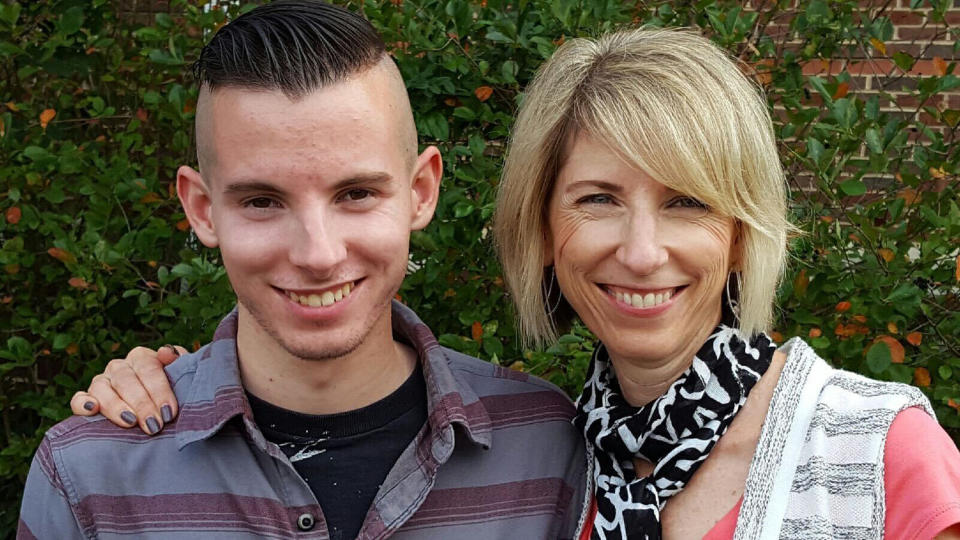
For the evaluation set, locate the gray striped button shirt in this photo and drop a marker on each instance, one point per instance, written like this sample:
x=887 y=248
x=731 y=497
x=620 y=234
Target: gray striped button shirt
x=498 y=458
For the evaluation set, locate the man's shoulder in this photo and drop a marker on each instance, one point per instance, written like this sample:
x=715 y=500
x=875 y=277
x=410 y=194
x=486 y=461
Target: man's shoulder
x=499 y=379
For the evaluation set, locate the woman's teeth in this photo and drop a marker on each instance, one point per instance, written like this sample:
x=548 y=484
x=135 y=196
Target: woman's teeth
x=644 y=300
x=325 y=298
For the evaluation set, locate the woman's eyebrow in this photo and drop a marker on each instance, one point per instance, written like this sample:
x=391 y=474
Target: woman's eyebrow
x=599 y=184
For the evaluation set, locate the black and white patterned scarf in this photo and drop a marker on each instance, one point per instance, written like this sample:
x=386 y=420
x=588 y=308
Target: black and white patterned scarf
x=675 y=432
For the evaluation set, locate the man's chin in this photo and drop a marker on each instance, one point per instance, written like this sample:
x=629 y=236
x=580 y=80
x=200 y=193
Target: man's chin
x=318 y=352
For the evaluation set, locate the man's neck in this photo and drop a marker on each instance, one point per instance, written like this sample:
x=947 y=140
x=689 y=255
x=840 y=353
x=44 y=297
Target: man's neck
x=370 y=372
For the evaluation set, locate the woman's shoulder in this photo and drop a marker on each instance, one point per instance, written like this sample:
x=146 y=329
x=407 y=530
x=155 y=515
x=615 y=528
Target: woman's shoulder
x=921 y=477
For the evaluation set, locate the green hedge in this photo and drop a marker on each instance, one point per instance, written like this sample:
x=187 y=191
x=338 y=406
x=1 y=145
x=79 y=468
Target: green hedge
x=95 y=115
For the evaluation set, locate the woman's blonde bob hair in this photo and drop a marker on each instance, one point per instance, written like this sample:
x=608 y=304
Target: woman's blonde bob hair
x=675 y=106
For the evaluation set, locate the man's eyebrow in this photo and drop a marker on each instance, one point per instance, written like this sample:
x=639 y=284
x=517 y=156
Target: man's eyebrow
x=242 y=188
x=364 y=179
x=601 y=184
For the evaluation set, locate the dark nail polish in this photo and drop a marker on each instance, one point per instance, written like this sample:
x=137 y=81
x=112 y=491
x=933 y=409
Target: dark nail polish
x=128 y=417
x=166 y=413
x=89 y=405
x=152 y=425
x=174 y=350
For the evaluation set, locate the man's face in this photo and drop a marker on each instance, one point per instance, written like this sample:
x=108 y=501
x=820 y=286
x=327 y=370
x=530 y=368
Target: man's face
x=312 y=202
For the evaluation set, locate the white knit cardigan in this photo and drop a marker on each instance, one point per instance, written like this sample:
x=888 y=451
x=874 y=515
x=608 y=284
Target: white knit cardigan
x=818 y=469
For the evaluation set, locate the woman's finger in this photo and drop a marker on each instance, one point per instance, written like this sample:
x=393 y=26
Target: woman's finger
x=111 y=406
x=83 y=404
x=149 y=369
x=128 y=386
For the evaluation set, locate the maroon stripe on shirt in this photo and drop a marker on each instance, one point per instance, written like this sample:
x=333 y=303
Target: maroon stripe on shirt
x=480 y=503
x=220 y=511
x=24 y=532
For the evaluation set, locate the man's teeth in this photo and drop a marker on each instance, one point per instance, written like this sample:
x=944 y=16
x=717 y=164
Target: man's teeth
x=644 y=300
x=326 y=298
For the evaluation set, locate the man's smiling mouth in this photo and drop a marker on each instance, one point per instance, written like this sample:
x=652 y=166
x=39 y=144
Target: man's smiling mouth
x=320 y=298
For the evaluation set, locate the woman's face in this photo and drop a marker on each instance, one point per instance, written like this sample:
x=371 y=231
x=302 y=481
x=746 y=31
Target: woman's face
x=643 y=265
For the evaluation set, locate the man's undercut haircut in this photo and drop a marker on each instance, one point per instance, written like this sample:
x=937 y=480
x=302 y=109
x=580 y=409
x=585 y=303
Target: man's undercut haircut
x=295 y=46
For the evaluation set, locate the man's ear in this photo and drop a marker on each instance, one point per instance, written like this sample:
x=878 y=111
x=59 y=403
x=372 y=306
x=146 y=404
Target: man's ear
x=195 y=198
x=425 y=187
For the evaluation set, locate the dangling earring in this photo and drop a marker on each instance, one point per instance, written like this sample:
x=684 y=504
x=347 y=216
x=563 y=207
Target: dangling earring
x=733 y=299
x=548 y=291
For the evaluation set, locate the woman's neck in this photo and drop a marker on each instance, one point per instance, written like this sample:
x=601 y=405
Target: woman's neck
x=643 y=380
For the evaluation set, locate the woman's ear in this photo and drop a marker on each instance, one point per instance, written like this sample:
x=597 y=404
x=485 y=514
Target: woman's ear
x=194 y=195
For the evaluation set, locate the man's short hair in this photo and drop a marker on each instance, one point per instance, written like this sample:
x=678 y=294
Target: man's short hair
x=295 y=46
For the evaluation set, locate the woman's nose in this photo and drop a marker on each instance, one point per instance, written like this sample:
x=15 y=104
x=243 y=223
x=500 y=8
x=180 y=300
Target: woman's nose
x=641 y=247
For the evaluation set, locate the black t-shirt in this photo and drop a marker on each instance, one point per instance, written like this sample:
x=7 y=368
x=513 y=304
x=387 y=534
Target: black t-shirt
x=345 y=457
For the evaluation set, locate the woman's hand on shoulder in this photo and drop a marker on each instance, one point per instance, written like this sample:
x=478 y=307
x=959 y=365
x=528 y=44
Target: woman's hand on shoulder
x=133 y=390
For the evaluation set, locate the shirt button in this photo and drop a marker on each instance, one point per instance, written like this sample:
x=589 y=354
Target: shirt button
x=305 y=522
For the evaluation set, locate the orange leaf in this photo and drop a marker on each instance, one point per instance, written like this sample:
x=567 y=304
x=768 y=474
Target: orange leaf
x=483 y=93
x=46 y=116
x=114 y=346
x=941 y=65
x=843 y=306
x=842 y=90
x=800 y=283
x=12 y=106
x=152 y=284
x=183 y=225
x=860 y=318
x=13 y=215
x=886 y=254
x=61 y=255
x=879 y=45
x=914 y=338
x=6 y=300
x=449 y=293
x=815 y=332
x=909 y=195
x=150 y=198
x=921 y=377
x=451 y=102
x=12 y=269
x=397 y=297
x=78 y=283
x=892 y=328
x=937 y=173
x=142 y=115
x=826 y=219
x=196 y=344
x=476 y=330
x=953 y=404
x=896 y=349
x=152 y=264
x=777 y=337
x=517 y=366
x=72 y=348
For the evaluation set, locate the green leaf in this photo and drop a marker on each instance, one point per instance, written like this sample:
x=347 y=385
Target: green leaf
x=815 y=149
x=878 y=357
x=945 y=372
x=435 y=125
x=903 y=60
x=873 y=141
x=853 y=187
x=71 y=20
x=820 y=86
x=9 y=13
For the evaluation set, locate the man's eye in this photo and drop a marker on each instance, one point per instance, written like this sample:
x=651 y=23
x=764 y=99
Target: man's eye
x=356 y=195
x=260 y=203
x=596 y=198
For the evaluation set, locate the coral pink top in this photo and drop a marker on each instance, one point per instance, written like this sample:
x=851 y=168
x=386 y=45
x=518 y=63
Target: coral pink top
x=921 y=479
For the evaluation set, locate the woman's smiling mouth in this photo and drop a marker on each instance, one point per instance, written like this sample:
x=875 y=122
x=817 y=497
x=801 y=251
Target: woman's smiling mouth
x=642 y=298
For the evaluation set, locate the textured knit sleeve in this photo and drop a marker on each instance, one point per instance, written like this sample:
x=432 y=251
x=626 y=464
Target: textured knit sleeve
x=46 y=512
x=921 y=477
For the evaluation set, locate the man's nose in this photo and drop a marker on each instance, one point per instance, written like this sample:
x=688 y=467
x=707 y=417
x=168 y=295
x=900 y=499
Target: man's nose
x=641 y=247
x=318 y=245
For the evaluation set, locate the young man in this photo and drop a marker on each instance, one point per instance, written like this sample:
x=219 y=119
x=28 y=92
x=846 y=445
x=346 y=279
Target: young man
x=322 y=409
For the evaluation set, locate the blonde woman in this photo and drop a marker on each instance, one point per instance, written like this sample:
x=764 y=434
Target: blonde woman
x=642 y=193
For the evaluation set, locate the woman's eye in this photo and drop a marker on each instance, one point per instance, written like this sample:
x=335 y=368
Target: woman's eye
x=596 y=198
x=688 y=202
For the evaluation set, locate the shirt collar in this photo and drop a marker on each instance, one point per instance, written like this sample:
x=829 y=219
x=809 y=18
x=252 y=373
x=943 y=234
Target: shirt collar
x=216 y=394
